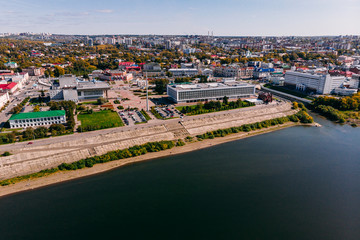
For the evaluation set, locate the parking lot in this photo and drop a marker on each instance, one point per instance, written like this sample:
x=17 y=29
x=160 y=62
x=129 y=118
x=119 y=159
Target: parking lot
x=131 y=118
x=168 y=112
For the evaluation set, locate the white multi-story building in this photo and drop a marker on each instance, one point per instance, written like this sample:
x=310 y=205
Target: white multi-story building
x=4 y=98
x=321 y=83
x=34 y=119
x=184 y=72
x=209 y=91
x=69 y=88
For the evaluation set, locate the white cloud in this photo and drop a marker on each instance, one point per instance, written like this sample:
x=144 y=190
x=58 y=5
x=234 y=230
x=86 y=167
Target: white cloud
x=105 y=11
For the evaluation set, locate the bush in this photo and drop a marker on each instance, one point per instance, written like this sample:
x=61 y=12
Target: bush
x=330 y=113
x=101 y=100
x=180 y=143
x=5 y=154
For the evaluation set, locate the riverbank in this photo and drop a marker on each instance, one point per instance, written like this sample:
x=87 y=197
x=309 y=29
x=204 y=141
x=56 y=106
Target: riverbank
x=99 y=168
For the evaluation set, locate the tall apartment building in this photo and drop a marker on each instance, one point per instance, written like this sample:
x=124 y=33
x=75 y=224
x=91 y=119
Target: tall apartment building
x=321 y=83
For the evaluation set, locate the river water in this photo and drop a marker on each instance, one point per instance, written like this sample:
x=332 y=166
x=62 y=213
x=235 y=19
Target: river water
x=296 y=183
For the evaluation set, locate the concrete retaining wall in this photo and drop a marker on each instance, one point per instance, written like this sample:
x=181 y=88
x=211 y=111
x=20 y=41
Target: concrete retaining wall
x=32 y=159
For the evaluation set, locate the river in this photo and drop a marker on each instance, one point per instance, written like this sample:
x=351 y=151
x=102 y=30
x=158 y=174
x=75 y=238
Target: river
x=296 y=183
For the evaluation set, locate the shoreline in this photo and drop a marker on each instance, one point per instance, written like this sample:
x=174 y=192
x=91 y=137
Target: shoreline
x=64 y=176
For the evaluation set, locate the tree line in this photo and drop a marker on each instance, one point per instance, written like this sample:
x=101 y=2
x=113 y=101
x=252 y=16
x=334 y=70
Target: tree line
x=17 y=109
x=215 y=106
x=91 y=161
x=33 y=133
x=302 y=116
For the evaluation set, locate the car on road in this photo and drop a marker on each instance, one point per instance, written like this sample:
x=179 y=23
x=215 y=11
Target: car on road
x=29 y=143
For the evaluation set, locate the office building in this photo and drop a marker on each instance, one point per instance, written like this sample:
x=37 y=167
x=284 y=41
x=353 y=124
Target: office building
x=209 y=91
x=70 y=88
x=311 y=81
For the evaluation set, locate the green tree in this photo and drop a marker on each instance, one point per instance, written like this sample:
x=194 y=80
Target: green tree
x=160 y=86
x=226 y=100
x=58 y=71
x=101 y=101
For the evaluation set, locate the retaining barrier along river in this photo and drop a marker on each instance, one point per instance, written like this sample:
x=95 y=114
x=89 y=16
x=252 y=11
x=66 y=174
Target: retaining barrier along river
x=49 y=153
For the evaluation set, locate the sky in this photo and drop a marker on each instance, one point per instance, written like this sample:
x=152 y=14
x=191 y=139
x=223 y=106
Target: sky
x=182 y=17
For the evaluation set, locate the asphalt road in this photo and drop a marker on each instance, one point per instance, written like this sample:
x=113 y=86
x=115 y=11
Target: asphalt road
x=15 y=99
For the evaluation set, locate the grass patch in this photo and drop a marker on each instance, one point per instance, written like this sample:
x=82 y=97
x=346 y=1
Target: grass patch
x=145 y=114
x=90 y=103
x=99 y=120
x=212 y=106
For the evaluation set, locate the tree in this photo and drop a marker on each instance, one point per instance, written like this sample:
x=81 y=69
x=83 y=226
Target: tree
x=58 y=71
x=101 y=100
x=36 y=108
x=28 y=134
x=160 y=85
x=40 y=132
x=58 y=128
x=226 y=100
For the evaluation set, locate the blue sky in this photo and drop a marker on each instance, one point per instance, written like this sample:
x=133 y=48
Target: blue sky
x=224 y=17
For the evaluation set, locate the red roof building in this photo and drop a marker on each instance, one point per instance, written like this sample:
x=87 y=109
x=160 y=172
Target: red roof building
x=10 y=87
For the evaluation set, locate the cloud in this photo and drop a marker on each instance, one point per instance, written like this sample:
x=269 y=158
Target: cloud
x=105 y=11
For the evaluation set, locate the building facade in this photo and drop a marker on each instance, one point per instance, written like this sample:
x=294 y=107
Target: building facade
x=4 y=98
x=35 y=119
x=209 y=91
x=184 y=72
x=69 y=88
x=321 y=83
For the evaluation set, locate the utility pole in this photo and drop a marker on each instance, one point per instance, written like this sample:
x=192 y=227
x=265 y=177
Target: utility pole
x=147 y=94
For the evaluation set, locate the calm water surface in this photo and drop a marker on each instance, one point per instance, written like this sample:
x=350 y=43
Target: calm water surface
x=297 y=183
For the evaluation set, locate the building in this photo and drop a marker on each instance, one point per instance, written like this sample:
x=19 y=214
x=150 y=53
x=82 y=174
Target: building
x=246 y=72
x=70 y=88
x=20 y=79
x=34 y=71
x=209 y=91
x=152 y=70
x=318 y=82
x=11 y=64
x=112 y=75
x=345 y=91
x=184 y=72
x=9 y=87
x=228 y=72
x=4 y=98
x=34 y=119
x=262 y=73
x=168 y=44
x=354 y=81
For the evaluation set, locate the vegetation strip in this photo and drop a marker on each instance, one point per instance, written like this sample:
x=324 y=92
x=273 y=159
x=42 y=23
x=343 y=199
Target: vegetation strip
x=213 y=106
x=337 y=109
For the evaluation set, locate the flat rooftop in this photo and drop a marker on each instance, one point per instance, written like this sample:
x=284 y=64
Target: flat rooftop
x=92 y=85
x=213 y=85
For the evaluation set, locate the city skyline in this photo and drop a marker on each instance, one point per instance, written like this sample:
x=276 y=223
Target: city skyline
x=228 y=18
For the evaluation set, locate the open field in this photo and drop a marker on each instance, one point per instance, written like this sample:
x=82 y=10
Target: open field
x=103 y=119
